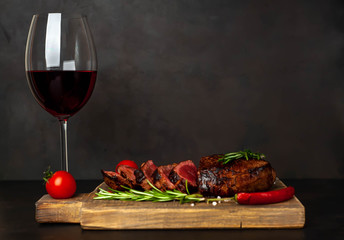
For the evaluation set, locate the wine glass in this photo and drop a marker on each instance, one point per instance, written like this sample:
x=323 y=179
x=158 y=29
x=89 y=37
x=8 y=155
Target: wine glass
x=61 y=67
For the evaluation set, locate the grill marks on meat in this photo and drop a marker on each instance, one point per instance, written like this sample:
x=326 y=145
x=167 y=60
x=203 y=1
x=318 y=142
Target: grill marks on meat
x=145 y=174
x=130 y=177
x=168 y=177
x=212 y=178
x=237 y=176
x=129 y=174
x=115 y=180
x=161 y=177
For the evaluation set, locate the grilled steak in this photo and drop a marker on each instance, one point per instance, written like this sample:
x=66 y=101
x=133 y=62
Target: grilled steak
x=129 y=174
x=212 y=178
x=210 y=161
x=185 y=170
x=237 y=176
x=115 y=180
x=145 y=173
x=160 y=177
x=130 y=177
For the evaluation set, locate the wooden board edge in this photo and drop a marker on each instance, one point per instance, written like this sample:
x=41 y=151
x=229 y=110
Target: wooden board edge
x=49 y=210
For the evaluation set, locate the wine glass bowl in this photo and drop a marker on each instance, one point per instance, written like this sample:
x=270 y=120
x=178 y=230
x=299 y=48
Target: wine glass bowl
x=61 y=66
x=62 y=93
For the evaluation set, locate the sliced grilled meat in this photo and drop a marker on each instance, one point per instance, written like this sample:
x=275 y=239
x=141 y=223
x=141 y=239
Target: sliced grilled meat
x=145 y=173
x=115 y=180
x=185 y=170
x=160 y=177
x=128 y=173
x=237 y=176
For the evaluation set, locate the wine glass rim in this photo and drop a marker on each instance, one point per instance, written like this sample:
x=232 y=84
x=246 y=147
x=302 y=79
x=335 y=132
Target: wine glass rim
x=63 y=15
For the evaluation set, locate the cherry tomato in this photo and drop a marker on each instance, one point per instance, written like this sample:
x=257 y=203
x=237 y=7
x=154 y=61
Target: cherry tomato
x=128 y=163
x=61 y=185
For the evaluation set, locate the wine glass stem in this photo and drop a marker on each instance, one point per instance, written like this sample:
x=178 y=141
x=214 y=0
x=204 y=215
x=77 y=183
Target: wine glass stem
x=64 y=149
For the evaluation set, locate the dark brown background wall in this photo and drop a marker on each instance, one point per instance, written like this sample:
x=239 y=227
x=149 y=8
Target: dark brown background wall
x=182 y=79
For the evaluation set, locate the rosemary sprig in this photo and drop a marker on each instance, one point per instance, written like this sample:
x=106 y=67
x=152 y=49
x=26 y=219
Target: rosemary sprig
x=247 y=154
x=154 y=195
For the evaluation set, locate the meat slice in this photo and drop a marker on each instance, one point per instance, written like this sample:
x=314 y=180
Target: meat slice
x=160 y=177
x=115 y=180
x=185 y=170
x=128 y=173
x=237 y=176
x=145 y=174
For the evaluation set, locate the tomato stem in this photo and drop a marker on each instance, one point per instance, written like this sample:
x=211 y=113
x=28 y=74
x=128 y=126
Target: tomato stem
x=47 y=175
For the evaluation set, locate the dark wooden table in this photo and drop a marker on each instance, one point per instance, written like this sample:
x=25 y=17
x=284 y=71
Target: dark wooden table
x=323 y=200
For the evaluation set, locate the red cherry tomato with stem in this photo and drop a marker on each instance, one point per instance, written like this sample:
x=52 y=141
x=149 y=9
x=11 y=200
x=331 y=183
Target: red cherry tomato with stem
x=60 y=184
x=129 y=163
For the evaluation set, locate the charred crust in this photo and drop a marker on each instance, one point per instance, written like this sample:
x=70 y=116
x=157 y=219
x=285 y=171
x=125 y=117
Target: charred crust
x=139 y=176
x=174 y=177
x=122 y=174
x=156 y=176
x=255 y=171
x=206 y=178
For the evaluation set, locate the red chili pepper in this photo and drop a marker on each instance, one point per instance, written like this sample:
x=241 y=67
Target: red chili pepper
x=274 y=196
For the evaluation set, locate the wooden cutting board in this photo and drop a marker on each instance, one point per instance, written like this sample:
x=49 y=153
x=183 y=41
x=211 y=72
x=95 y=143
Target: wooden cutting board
x=113 y=214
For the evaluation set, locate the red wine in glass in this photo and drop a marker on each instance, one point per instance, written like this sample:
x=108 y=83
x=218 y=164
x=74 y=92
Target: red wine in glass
x=62 y=93
x=61 y=67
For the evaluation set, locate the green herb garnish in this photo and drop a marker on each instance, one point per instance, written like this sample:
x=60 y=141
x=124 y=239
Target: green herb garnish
x=154 y=195
x=246 y=154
